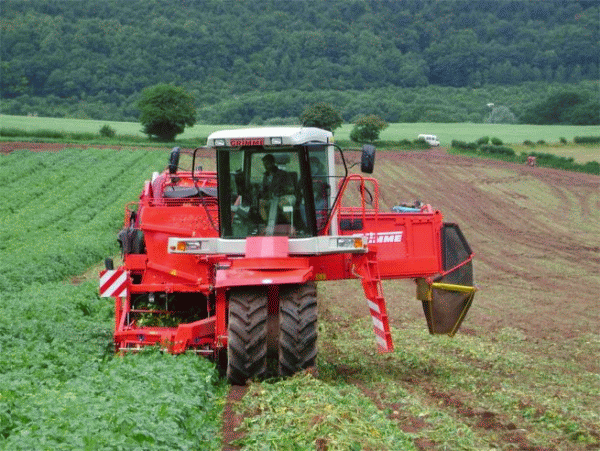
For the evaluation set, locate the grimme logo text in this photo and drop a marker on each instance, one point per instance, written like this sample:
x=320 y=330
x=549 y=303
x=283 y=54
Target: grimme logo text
x=384 y=237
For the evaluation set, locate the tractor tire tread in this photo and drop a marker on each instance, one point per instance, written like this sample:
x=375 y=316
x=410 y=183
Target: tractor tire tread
x=247 y=335
x=297 y=328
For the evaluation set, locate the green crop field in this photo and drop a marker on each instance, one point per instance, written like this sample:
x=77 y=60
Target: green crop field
x=580 y=153
x=28 y=123
x=523 y=373
x=395 y=132
x=61 y=387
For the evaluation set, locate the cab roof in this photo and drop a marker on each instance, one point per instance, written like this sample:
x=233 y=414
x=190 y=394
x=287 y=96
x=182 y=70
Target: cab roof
x=268 y=136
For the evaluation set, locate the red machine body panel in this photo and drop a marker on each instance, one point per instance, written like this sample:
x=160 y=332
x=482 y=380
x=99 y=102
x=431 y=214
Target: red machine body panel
x=158 y=223
x=408 y=244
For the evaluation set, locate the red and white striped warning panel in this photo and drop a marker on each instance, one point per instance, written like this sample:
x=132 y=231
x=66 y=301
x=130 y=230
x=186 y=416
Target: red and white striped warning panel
x=381 y=325
x=113 y=282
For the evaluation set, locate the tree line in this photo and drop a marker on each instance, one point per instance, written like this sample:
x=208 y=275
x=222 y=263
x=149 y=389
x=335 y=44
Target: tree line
x=93 y=59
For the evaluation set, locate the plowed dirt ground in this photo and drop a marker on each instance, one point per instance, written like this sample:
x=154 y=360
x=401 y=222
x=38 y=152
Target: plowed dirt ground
x=535 y=232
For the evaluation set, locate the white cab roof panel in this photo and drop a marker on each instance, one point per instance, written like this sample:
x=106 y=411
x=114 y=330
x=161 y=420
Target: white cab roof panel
x=267 y=136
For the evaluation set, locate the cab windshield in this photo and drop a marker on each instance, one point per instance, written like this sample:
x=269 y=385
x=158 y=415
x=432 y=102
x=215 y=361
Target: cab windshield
x=270 y=192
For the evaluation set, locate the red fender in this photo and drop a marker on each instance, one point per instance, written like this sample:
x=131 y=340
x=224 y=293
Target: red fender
x=266 y=262
x=236 y=277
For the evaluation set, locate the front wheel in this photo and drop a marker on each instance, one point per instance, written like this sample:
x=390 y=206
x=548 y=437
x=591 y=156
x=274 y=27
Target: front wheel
x=297 y=327
x=247 y=334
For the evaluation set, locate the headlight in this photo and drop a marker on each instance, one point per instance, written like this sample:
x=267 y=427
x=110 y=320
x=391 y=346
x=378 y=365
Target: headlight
x=276 y=141
x=350 y=243
x=193 y=245
x=183 y=246
x=219 y=142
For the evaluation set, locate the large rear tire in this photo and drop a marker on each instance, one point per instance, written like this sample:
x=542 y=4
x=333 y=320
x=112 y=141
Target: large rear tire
x=247 y=334
x=297 y=327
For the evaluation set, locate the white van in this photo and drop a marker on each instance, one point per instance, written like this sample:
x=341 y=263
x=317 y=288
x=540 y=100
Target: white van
x=430 y=139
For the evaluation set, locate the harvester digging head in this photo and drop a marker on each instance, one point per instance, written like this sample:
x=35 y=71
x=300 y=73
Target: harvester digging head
x=448 y=297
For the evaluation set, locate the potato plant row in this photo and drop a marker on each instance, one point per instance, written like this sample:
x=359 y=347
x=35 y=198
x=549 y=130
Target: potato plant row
x=61 y=210
x=61 y=386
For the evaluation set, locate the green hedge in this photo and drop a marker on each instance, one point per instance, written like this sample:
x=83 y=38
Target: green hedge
x=497 y=150
x=542 y=159
x=403 y=144
x=586 y=139
x=463 y=145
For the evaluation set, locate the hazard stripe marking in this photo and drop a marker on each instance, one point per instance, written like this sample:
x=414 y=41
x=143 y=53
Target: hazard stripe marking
x=108 y=278
x=113 y=283
x=379 y=327
x=373 y=306
x=378 y=324
x=368 y=271
x=381 y=342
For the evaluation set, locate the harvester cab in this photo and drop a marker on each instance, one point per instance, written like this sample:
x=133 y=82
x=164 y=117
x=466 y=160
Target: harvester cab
x=273 y=188
x=225 y=263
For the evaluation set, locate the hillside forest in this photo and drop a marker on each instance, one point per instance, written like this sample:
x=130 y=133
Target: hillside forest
x=254 y=61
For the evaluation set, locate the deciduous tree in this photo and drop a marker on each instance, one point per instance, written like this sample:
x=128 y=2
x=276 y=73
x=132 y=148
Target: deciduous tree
x=166 y=110
x=367 y=129
x=321 y=115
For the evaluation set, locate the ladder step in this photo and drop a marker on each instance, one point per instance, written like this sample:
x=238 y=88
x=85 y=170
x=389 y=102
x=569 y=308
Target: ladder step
x=371 y=282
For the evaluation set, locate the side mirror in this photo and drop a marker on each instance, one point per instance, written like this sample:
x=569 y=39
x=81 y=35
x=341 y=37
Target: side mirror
x=174 y=160
x=367 y=161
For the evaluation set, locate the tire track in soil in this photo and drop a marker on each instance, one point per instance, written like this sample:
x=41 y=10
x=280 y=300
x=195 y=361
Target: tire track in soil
x=406 y=422
x=484 y=422
x=232 y=420
x=493 y=427
x=490 y=421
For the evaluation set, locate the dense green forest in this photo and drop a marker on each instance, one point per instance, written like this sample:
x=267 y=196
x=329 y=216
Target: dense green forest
x=252 y=61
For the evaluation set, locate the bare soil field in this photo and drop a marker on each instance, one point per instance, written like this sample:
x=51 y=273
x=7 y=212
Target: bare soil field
x=534 y=231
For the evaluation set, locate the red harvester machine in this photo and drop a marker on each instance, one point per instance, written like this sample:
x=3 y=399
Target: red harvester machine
x=225 y=263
